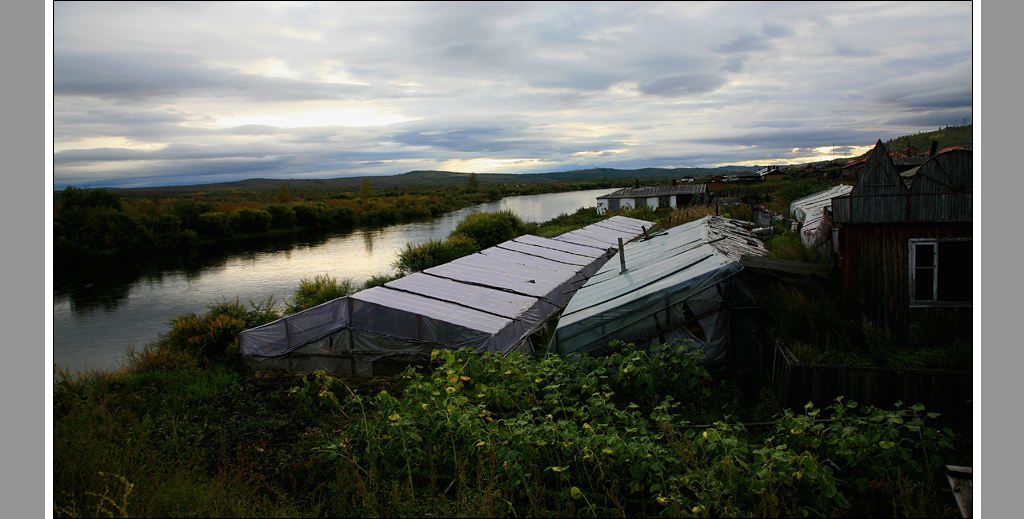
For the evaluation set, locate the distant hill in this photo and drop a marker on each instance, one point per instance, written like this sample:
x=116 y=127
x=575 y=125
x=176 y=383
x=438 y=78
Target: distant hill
x=946 y=137
x=432 y=179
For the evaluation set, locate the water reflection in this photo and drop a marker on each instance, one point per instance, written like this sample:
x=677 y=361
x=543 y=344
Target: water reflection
x=102 y=307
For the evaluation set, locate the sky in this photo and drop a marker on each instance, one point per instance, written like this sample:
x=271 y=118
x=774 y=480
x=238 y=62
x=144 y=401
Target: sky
x=179 y=93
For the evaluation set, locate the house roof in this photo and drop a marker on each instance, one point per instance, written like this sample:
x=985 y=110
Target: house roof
x=644 y=192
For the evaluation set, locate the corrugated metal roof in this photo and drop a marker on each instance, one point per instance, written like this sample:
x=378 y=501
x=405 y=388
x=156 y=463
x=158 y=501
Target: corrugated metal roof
x=677 y=262
x=810 y=210
x=644 y=192
x=916 y=160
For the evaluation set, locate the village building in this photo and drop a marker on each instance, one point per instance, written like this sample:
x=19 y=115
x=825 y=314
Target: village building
x=656 y=197
x=905 y=237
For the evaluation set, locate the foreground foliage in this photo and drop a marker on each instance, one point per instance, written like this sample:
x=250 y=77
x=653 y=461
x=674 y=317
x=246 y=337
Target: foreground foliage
x=631 y=434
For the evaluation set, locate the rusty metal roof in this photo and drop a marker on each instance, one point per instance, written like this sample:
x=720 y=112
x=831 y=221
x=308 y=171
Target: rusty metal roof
x=644 y=192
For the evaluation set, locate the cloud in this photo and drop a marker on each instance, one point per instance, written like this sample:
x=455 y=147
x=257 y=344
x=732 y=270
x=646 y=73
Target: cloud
x=684 y=85
x=744 y=43
x=174 y=92
x=135 y=77
x=774 y=30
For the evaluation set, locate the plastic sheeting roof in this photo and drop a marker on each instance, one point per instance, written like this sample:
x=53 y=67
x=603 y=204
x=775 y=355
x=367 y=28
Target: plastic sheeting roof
x=809 y=211
x=663 y=271
x=490 y=301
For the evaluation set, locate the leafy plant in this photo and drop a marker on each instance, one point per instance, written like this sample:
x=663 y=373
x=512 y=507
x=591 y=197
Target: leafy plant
x=321 y=289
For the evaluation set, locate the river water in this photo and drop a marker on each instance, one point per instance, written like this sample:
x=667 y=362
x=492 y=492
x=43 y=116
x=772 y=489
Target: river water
x=100 y=310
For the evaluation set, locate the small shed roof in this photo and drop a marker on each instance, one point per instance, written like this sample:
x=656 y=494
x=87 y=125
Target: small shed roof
x=647 y=192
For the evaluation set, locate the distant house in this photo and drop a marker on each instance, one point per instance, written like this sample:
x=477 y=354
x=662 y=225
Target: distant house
x=905 y=242
x=771 y=173
x=657 y=197
x=852 y=169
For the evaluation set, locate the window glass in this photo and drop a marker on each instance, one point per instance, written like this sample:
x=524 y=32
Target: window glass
x=956 y=277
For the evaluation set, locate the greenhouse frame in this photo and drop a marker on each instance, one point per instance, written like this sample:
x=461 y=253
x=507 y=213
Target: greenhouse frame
x=677 y=284
x=489 y=301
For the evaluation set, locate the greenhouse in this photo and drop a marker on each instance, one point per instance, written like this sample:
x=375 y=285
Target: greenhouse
x=676 y=284
x=809 y=212
x=489 y=301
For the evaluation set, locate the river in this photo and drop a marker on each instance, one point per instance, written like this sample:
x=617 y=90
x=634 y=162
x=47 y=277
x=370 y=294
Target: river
x=100 y=310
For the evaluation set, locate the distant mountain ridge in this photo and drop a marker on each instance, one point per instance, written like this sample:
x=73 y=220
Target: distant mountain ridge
x=446 y=178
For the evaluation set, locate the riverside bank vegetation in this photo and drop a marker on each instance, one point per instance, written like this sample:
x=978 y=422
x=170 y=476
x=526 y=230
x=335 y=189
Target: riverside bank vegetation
x=188 y=428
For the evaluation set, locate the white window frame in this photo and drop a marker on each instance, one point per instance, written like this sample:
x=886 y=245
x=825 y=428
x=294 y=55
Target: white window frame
x=913 y=269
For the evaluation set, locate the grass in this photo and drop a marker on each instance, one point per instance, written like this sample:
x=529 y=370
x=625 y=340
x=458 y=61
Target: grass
x=187 y=429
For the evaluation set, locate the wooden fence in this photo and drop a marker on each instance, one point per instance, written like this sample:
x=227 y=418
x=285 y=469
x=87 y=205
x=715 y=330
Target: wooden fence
x=794 y=384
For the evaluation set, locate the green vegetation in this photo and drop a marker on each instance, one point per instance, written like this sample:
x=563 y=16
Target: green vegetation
x=947 y=137
x=100 y=223
x=632 y=434
x=319 y=290
x=188 y=428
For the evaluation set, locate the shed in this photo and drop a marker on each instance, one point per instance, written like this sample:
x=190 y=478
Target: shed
x=905 y=242
x=679 y=283
x=490 y=301
x=655 y=197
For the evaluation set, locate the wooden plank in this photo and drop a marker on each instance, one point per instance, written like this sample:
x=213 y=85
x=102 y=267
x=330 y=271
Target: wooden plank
x=961 y=481
x=789 y=266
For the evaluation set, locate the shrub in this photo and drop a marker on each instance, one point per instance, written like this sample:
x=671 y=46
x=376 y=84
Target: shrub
x=380 y=279
x=343 y=217
x=490 y=229
x=249 y=221
x=281 y=216
x=207 y=337
x=213 y=225
x=312 y=214
x=415 y=258
x=319 y=290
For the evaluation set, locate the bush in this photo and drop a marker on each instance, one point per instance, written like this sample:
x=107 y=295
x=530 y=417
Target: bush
x=281 y=216
x=490 y=229
x=213 y=225
x=249 y=221
x=312 y=214
x=343 y=217
x=380 y=279
x=415 y=258
x=207 y=337
x=319 y=290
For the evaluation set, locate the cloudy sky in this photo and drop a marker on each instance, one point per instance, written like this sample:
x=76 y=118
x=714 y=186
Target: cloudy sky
x=171 y=93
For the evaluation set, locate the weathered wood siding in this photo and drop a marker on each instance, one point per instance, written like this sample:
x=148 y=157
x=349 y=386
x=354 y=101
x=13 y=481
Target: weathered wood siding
x=909 y=207
x=879 y=176
x=875 y=274
x=795 y=384
x=946 y=172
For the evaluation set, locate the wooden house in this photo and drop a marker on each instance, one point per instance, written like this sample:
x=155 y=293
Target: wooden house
x=905 y=242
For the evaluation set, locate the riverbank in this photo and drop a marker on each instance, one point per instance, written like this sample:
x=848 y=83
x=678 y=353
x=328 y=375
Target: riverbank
x=187 y=428
x=99 y=309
